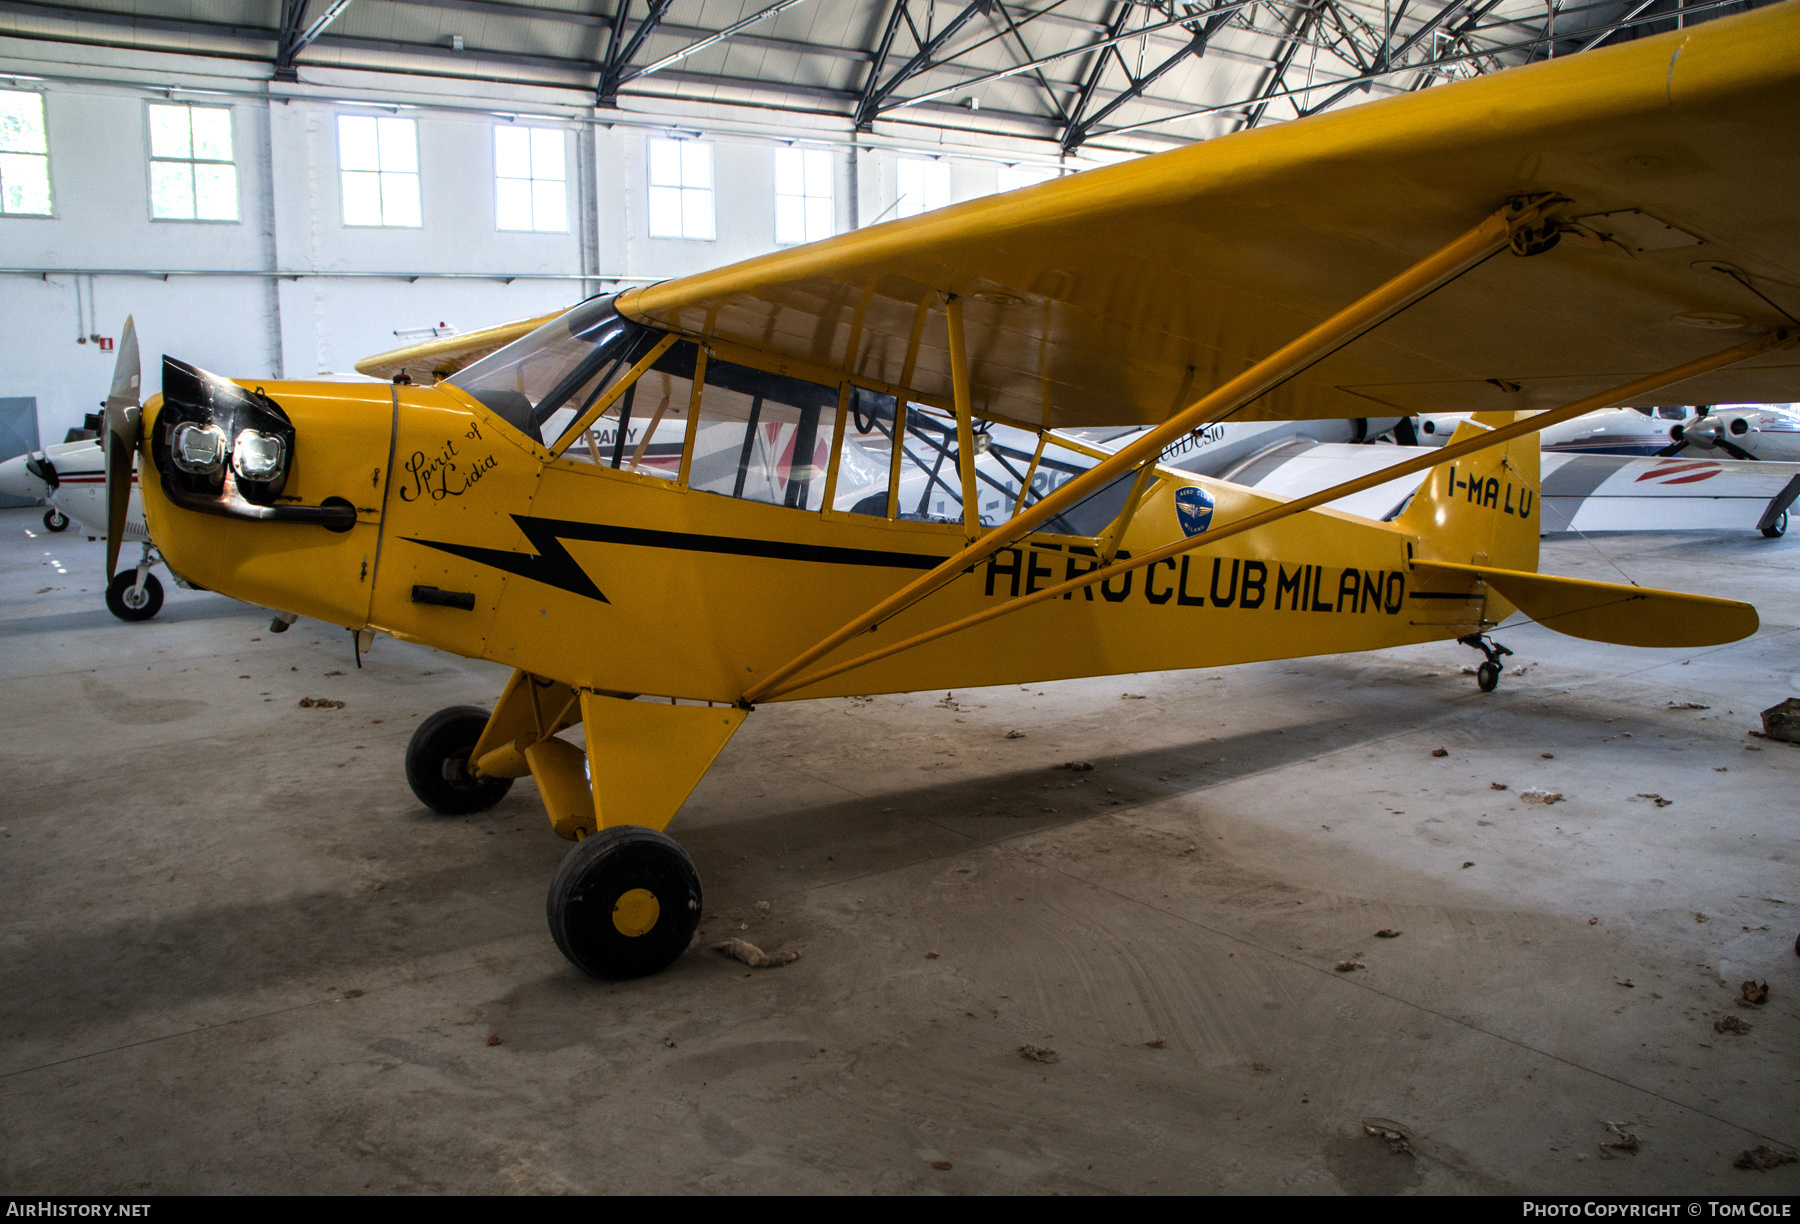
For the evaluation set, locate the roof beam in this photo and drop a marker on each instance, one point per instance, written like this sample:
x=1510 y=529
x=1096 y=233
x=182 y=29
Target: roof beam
x=1076 y=133
x=296 y=36
x=712 y=39
x=619 y=49
x=921 y=60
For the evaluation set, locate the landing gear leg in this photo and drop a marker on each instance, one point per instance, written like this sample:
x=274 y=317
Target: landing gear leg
x=1487 y=676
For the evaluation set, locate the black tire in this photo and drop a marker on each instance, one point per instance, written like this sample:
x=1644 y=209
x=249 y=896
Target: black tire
x=437 y=761
x=125 y=602
x=1487 y=677
x=1774 y=530
x=597 y=875
x=55 y=520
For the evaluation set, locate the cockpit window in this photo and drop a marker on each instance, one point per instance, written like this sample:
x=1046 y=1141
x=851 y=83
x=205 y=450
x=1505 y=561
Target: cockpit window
x=554 y=374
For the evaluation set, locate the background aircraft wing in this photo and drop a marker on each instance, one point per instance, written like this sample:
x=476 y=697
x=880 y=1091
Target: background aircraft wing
x=434 y=359
x=1119 y=295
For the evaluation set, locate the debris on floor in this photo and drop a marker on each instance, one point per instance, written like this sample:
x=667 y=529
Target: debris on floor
x=1125 y=696
x=1043 y=1054
x=1627 y=983
x=1496 y=786
x=1348 y=966
x=1534 y=795
x=1015 y=734
x=1730 y=1024
x=1077 y=766
x=1397 y=1137
x=1471 y=863
x=1626 y=1143
x=494 y=1039
x=1658 y=800
x=1155 y=1044
x=1763 y=1158
x=320 y=703
x=1688 y=705
x=755 y=957
x=1755 y=992
x=762 y=907
x=1387 y=933
x=1782 y=721
x=1440 y=752
x=941 y=1165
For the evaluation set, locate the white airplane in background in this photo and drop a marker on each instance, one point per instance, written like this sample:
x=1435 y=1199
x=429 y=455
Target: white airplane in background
x=1635 y=491
x=1763 y=432
x=71 y=476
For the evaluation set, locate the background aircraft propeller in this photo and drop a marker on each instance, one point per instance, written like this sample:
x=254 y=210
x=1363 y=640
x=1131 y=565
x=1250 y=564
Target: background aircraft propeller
x=121 y=440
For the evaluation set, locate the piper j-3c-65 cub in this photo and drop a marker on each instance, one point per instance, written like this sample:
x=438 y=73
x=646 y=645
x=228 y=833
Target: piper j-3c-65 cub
x=833 y=469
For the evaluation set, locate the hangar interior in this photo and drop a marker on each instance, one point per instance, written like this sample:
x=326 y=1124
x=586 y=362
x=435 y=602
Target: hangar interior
x=1295 y=926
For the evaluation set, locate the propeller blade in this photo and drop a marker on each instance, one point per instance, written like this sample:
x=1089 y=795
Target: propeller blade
x=1673 y=449
x=1734 y=450
x=121 y=441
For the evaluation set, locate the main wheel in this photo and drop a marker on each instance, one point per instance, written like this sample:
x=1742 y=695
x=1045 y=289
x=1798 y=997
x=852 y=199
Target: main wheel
x=55 y=520
x=624 y=903
x=1487 y=677
x=1774 y=530
x=125 y=601
x=437 y=764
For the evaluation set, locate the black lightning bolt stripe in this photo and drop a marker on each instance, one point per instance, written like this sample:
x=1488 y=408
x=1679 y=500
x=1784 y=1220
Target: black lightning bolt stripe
x=553 y=566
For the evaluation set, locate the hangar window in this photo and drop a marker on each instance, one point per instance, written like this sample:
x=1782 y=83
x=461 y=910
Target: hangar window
x=24 y=155
x=921 y=185
x=531 y=190
x=378 y=163
x=192 y=177
x=681 y=188
x=1013 y=177
x=803 y=196
x=763 y=437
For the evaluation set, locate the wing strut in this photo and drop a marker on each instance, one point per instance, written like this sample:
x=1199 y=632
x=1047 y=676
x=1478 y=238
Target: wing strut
x=1499 y=437
x=1432 y=272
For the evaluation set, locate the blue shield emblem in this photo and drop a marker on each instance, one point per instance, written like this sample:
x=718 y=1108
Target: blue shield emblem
x=1193 y=507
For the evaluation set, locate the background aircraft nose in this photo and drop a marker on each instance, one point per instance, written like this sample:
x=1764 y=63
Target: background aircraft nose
x=19 y=481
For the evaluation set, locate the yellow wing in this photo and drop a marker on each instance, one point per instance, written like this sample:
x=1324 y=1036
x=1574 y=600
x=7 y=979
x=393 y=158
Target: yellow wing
x=1611 y=612
x=1116 y=295
x=444 y=356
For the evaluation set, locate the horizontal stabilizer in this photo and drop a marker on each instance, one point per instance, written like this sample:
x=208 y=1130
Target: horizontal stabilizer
x=1610 y=612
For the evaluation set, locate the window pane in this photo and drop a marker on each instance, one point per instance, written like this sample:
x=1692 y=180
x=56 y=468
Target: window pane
x=868 y=453
x=645 y=430
x=356 y=143
x=790 y=176
x=1013 y=177
x=25 y=183
x=790 y=219
x=399 y=199
x=665 y=163
x=763 y=437
x=696 y=163
x=21 y=122
x=665 y=212
x=818 y=173
x=512 y=204
x=696 y=214
x=549 y=206
x=547 y=153
x=818 y=218
x=169 y=132
x=512 y=152
x=212 y=132
x=172 y=191
x=909 y=184
x=399 y=147
x=215 y=192
x=362 y=197
x=937 y=184
x=930 y=483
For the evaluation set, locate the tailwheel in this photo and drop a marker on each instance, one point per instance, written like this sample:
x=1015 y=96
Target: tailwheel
x=1773 y=531
x=1487 y=676
x=624 y=903
x=437 y=764
x=55 y=520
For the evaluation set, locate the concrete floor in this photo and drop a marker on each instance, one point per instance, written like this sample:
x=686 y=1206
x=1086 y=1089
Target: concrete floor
x=239 y=956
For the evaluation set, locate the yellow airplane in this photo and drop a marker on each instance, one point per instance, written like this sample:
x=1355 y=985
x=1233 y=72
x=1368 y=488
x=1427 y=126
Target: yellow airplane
x=847 y=468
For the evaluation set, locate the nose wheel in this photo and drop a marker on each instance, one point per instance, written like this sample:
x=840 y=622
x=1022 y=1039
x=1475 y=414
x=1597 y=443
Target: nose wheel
x=55 y=520
x=624 y=903
x=1487 y=676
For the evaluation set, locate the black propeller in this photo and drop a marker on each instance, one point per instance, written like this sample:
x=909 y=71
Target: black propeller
x=121 y=441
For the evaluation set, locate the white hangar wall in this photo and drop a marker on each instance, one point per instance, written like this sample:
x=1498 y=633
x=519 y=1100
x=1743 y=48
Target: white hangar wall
x=290 y=290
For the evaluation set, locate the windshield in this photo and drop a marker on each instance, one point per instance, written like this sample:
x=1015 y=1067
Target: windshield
x=559 y=370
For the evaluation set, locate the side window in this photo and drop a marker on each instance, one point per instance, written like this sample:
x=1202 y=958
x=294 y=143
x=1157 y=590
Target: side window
x=763 y=437
x=645 y=429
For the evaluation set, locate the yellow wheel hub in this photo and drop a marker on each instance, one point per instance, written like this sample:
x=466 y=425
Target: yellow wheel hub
x=635 y=912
